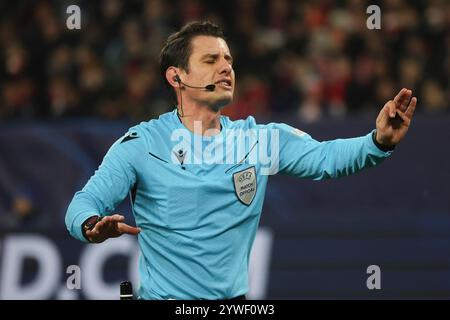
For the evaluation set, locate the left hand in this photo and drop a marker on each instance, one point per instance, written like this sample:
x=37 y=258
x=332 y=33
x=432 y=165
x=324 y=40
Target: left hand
x=394 y=119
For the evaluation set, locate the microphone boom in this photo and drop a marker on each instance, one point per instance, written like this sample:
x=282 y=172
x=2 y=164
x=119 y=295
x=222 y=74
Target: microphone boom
x=209 y=87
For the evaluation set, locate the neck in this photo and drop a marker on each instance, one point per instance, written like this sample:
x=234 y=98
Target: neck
x=195 y=114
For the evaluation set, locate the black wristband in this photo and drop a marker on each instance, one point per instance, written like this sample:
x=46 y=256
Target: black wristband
x=89 y=224
x=380 y=146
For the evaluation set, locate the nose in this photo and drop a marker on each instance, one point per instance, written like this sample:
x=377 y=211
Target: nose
x=225 y=67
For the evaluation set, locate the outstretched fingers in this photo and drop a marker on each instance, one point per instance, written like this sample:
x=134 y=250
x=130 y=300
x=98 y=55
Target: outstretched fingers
x=105 y=225
x=124 y=228
x=407 y=115
x=117 y=218
x=403 y=98
x=411 y=108
x=399 y=97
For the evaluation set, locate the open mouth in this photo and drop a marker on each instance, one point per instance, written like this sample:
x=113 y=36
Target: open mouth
x=225 y=83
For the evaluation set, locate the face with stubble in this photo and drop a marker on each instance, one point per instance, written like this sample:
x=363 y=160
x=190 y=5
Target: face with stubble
x=210 y=62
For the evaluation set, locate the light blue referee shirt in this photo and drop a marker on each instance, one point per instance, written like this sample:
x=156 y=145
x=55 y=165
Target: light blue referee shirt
x=198 y=199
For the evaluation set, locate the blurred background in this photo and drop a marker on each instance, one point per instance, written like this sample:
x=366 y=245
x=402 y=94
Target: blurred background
x=67 y=95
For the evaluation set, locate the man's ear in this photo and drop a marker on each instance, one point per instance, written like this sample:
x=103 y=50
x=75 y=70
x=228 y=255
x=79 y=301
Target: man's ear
x=171 y=76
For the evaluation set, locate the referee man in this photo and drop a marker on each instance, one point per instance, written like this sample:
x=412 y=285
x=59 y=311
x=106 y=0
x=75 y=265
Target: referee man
x=196 y=211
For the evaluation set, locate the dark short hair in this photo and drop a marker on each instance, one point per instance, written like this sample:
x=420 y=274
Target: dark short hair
x=177 y=49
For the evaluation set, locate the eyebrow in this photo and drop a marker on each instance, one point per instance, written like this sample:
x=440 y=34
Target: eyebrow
x=215 y=56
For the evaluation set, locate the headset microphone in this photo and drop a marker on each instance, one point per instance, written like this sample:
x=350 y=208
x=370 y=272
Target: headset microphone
x=209 y=87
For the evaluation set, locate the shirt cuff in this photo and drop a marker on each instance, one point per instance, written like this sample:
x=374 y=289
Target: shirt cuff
x=376 y=148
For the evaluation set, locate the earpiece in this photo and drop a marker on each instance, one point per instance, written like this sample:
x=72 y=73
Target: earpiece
x=177 y=79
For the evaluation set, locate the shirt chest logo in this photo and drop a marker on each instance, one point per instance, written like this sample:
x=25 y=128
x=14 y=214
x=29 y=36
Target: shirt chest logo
x=245 y=185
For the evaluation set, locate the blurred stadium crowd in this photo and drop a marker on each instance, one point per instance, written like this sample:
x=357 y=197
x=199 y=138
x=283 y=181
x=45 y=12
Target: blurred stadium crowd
x=308 y=58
